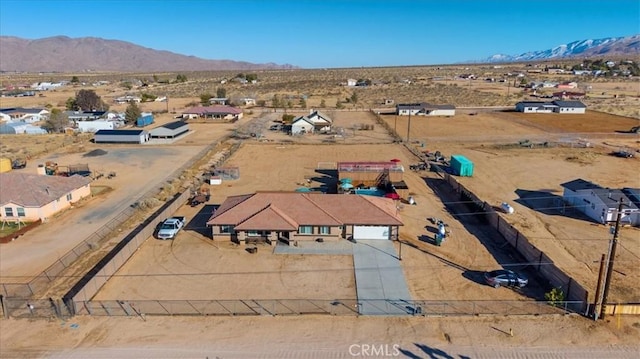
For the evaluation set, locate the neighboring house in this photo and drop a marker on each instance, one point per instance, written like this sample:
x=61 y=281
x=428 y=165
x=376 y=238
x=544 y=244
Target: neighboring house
x=567 y=85
x=127 y=99
x=352 y=82
x=218 y=101
x=314 y=122
x=213 y=112
x=46 y=86
x=558 y=106
x=297 y=216
x=121 y=136
x=248 y=101
x=21 y=114
x=598 y=203
x=170 y=130
x=569 y=95
x=97 y=125
x=425 y=109
x=78 y=116
x=29 y=197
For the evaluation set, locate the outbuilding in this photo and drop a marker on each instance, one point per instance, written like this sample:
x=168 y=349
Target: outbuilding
x=461 y=166
x=170 y=130
x=121 y=136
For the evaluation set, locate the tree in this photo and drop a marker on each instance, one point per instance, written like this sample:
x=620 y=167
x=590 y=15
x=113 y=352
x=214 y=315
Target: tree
x=147 y=97
x=132 y=113
x=287 y=118
x=339 y=104
x=323 y=104
x=251 y=77
x=57 y=121
x=75 y=80
x=275 y=101
x=221 y=92
x=181 y=78
x=204 y=98
x=354 y=97
x=71 y=104
x=88 y=100
x=303 y=102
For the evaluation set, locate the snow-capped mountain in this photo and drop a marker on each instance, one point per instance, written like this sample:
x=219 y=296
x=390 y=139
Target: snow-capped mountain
x=608 y=46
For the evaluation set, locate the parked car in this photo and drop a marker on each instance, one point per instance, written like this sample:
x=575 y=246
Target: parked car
x=505 y=277
x=170 y=227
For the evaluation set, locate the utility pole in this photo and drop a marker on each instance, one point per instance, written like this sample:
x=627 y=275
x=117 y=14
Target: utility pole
x=409 y=126
x=611 y=257
x=598 y=301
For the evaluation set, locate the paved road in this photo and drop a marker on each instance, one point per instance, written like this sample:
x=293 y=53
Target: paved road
x=380 y=283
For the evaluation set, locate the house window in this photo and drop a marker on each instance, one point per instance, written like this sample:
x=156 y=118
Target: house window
x=226 y=229
x=306 y=230
x=324 y=230
x=69 y=197
x=252 y=233
x=20 y=211
x=8 y=211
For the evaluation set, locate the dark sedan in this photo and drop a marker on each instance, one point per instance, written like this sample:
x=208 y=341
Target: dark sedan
x=505 y=277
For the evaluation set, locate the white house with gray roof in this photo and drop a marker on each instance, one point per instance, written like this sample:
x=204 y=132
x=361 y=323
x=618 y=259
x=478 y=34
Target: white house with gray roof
x=425 y=109
x=599 y=203
x=563 y=107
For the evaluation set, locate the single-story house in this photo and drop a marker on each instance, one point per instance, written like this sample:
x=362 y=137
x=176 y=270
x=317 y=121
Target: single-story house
x=127 y=99
x=425 y=109
x=170 y=130
x=21 y=114
x=314 y=122
x=121 y=136
x=78 y=116
x=97 y=125
x=304 y=216
x=248 y=101
x=213 y=112
x=218 y=101
x=557 y=106
x=351 y=82
x=599 y=203
x=29 y=197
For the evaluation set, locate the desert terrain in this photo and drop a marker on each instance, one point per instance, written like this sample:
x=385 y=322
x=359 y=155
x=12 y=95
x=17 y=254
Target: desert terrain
x=196 y=268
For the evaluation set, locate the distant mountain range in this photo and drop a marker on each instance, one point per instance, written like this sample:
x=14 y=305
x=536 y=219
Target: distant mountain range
x=64 y=54
x=612 y=46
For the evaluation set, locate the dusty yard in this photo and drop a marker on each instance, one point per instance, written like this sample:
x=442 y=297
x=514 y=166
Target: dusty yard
x=432 y=273
x=504 y=171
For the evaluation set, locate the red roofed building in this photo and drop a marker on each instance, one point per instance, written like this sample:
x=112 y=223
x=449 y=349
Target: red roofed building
x=293 y=216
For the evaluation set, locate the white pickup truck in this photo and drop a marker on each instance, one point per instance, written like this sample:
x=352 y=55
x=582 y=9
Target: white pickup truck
x=170 y=227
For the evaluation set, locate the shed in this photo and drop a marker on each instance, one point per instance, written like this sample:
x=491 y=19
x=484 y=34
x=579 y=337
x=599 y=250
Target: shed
x=170 y=130
x=146 y=118
x=461 y=166
x=121 y=136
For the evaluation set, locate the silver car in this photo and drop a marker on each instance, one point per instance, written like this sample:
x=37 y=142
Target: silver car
x=505 y=277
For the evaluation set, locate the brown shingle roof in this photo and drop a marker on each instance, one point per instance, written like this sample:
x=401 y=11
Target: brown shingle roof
x=256 y=211
x=31 y=190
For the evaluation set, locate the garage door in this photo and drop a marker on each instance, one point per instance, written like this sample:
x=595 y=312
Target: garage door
x=371 y=232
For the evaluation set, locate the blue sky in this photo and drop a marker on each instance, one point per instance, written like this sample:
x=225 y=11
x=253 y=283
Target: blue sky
x=328 y=33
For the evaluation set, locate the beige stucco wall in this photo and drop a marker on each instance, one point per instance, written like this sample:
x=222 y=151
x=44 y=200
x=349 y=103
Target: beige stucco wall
x=50 y=209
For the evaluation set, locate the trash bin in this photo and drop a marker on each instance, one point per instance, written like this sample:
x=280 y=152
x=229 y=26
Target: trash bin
x=439 y=238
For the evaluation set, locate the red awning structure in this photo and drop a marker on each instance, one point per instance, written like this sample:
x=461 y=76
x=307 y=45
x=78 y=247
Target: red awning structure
x=392 y=195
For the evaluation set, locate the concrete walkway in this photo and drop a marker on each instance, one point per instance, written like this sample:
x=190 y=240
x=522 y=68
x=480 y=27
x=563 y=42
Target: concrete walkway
x=380 y=284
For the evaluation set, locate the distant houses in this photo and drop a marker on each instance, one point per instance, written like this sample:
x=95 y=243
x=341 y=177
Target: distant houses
x=558 y=106
x=21 y=114
x=425 y=109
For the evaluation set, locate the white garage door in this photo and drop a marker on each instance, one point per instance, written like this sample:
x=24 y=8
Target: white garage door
x=371 y=232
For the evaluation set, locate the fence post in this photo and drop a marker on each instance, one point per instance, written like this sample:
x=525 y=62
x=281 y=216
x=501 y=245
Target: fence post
x=3 y=305
x=540 y=260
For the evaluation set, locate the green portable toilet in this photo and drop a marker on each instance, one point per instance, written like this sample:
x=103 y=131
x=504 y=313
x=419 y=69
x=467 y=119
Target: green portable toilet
x=461 y=166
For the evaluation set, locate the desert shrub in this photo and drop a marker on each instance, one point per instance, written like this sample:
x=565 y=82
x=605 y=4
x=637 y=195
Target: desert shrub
x=555 y=296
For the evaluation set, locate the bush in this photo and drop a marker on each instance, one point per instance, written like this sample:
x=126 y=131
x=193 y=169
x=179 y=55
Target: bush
x=555 y=296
